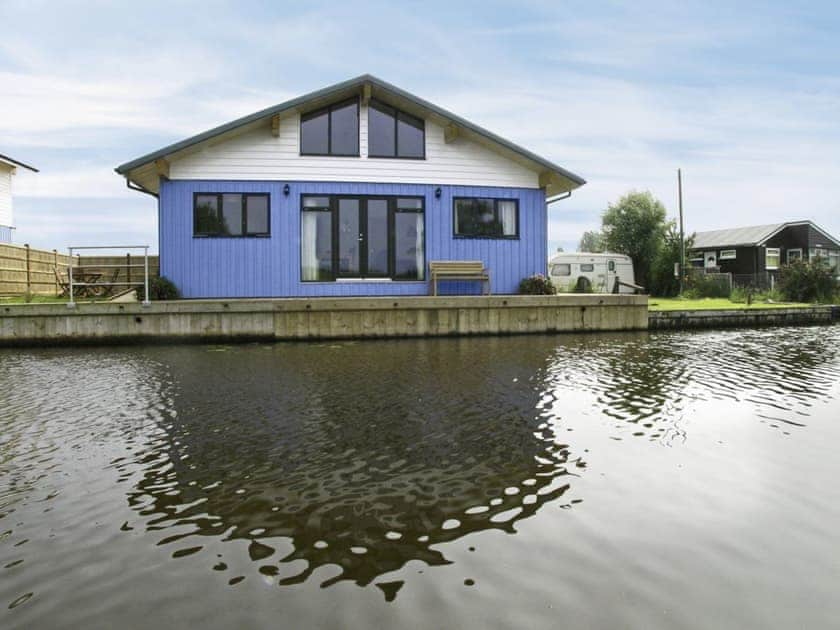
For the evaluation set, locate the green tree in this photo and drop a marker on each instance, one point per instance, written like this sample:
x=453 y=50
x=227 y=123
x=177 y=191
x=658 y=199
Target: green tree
x=663 y=282
x=591 y=241
x=635 y=225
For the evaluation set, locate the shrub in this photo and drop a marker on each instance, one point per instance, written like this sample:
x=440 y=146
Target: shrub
x=704 y=286
x=160 y=288
x=811 y=281
x=537 y=284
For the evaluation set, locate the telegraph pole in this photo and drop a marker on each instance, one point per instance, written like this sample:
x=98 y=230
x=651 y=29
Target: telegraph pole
x=682 y=232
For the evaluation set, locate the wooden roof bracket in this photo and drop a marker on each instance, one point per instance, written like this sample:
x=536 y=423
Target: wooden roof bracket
x=162 y=167
x=451 y=133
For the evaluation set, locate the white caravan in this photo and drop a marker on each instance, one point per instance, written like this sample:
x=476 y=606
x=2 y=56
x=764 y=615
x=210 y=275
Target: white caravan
x=583 y=272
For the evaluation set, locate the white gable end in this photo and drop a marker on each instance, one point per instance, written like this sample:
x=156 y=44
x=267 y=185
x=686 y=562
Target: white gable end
x=6 y=195
x=257 y=154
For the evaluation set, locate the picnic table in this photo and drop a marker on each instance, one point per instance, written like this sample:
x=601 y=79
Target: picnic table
x=84 y=282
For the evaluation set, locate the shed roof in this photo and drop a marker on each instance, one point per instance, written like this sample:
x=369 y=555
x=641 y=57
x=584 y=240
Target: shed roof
x=356 y=84
x=5 y=159
x=748 y=236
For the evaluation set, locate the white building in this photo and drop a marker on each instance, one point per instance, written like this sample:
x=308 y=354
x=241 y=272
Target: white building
x=8 y=167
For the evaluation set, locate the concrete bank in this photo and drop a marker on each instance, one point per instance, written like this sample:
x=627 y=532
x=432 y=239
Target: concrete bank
x=730 y=318
x=317 y=318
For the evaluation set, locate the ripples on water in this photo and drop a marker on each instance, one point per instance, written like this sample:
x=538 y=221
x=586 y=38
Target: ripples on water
x=345 y=461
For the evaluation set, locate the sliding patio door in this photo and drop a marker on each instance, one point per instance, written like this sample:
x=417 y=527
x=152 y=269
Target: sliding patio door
x=372 y=237
x=350 y=238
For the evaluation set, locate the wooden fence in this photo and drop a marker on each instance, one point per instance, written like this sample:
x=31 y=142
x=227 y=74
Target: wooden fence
x=26 y=270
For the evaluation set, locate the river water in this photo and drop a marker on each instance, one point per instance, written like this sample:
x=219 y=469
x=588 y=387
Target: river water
x=671 y=480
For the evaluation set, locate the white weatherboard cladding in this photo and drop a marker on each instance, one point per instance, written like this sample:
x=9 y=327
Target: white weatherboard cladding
x=6 y=195
x=259 y=155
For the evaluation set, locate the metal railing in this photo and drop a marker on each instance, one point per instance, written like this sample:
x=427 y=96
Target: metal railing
x=112 y=283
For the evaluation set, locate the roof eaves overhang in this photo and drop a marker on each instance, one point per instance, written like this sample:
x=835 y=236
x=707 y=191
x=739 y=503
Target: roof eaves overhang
x=13 y=162
x=563 y=180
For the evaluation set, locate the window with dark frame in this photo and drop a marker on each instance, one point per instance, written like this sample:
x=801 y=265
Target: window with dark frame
x=333 y=130
x=231 y=214
x=486 y=218
x=351 y=236
x=395 y=134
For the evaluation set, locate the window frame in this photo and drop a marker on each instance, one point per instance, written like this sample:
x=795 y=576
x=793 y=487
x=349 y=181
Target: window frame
x=244 y=210
x=728 y=254
x=553 y=270
x=799 y=250
x=778 y=256
x=329 y=110
x=376 y=104
x=496 y=200
x=393 y=210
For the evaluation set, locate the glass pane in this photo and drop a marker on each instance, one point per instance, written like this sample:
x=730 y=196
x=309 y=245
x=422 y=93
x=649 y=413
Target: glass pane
x=316 y=246
x=587 y=267
x=476 y=217
x=410 y=136
x=206 y=214
x=507 y=217
x=377 y=237
x=232 y=215
x=344 y=130
x=561 y=269
x=256 y=217
x=381 y=130
x=314 y=130
x=349 y=237
x=316 y=202
x=409 y=204
x=408 y=246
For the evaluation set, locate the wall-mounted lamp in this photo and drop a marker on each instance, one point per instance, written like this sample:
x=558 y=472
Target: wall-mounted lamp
x=286 y=190
x=437 y=192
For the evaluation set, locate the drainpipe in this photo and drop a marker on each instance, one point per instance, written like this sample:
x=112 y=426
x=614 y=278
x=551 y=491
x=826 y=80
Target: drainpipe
x=559 y=197
x=549 y=200
x=139 y=188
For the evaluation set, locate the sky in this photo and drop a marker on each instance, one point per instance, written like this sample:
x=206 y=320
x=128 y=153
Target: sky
x=743 y=97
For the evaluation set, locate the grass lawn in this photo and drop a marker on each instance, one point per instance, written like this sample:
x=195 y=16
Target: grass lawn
x=680 y=304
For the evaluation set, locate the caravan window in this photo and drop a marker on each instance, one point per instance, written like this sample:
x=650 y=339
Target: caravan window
x=561 y=269
x=587 y=267
x=611 y=265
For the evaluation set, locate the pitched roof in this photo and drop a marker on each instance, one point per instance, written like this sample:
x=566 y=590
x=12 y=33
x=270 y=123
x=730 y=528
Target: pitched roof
x=732 y=237
x=7 y=160
x=339 y=88
x=748 y=236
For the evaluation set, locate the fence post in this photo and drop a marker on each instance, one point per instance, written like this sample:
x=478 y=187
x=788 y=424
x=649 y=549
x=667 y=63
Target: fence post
x=71 y=303
x=28 y=278
x=128 y=269
x=55 y=270
x=148 y=300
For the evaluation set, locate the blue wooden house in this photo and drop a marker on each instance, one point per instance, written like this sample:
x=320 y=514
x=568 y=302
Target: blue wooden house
x=351 y=190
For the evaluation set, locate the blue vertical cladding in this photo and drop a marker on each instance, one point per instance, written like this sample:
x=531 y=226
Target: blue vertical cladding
x=270 y=266
x=6 y=234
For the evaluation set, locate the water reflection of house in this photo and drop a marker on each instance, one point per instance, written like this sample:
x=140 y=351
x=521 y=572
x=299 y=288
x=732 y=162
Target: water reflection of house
x=350 y=190
x=8 y=167
x=763 y=248
x=353 y=470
